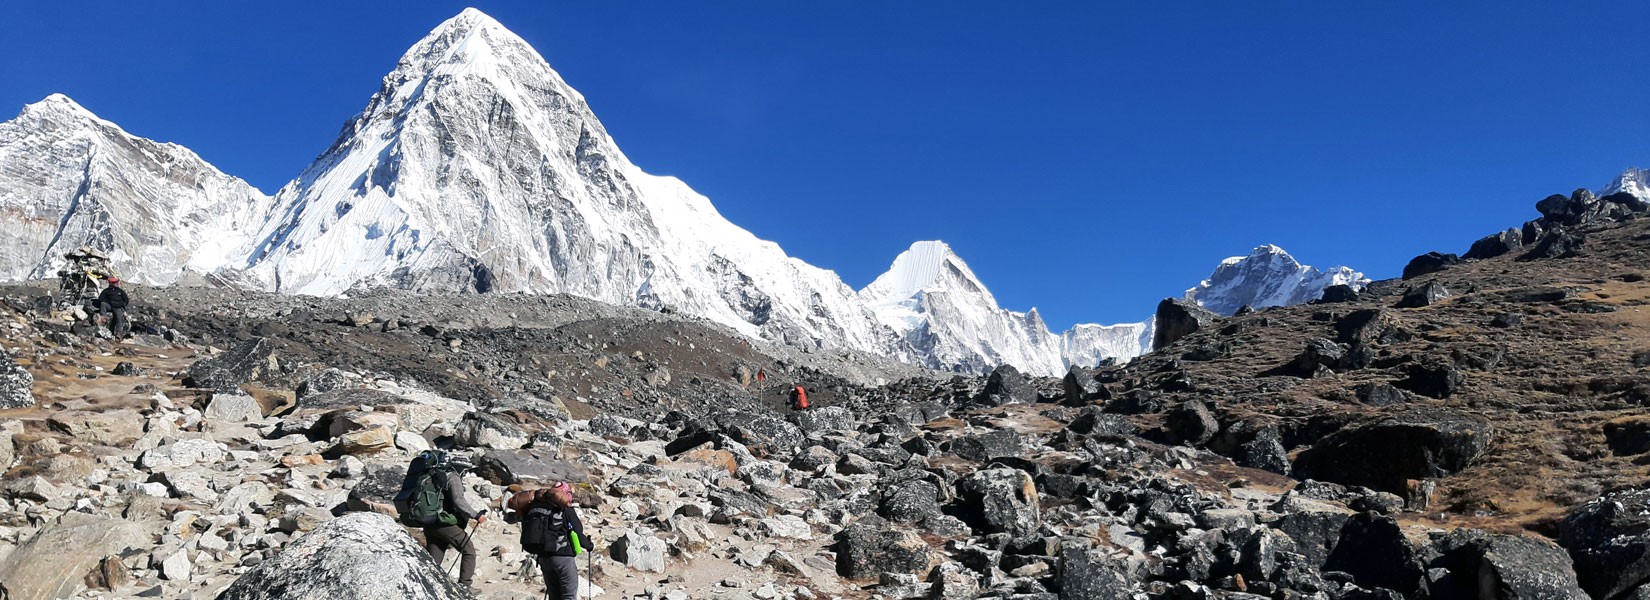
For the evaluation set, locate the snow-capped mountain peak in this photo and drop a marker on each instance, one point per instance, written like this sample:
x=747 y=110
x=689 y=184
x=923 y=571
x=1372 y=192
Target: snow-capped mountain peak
x=1634 y=181
x=928 y=266
x=1267 y=276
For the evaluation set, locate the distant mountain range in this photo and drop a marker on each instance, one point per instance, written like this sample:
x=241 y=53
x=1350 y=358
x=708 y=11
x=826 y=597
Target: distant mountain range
x=477 y=168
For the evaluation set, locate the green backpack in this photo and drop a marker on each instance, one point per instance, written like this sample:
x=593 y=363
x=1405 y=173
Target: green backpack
x=422 y=501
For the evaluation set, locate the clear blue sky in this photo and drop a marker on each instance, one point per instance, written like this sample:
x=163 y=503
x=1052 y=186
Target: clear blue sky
x=1086 y=158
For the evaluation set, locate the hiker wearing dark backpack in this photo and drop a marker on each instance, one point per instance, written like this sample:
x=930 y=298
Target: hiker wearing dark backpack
x=432 y=498
x=551 y=530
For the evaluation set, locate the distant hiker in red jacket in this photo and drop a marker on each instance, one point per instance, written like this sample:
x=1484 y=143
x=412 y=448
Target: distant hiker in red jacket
x=799 y=398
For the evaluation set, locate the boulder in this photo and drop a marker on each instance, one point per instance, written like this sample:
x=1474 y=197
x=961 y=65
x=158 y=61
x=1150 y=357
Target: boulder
x=1385 y=454
x=1379 y=394
x=330 y=380
x=483 y=430
x=1366 y=326
x=53 y=563
x=227 y=371
x=1079 y=385
x=1426 y=294
x=16 y=384
x=1000 y=500
x=1007 y=385
x=1314 y=525
x=1338 y=293
x=1319 y=357
x=1433 y=379
x=1191 y=423
x=640 y=551
x=1486 y=565
x=183 y=454
x=1178 y=318
x=1429 y=263
x=359 y=556
x=1561 y=243
x=1559 y=210
x=766 y=434
x=911 y=502
x=826 y=419
x=1494 y=245
x=1609 y=540
x=110 y=428
x=364 y=441
x=1374 y=551
x=872 y=546
x=1085 y=575
x=233 y=408
x=530 y=466
x=986 y=446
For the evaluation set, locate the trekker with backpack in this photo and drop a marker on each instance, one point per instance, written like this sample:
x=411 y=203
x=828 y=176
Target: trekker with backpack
x=432 y=498
x=799 y=398
x=551 y=530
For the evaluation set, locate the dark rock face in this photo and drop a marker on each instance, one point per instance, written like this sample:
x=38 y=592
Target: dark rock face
x=1083 y=576
x=1433 y=379
x=1380 y=394
x=16 y=384
x=1094 y=421
x=1177 y=319
x=873 y=546
x=1079 y=385
x=1425 y=294
x=1494 y=245
x=1574 y=210
x=1429 y=263
x=1338 y=293
x=1373 y=550
x=1385 y=454
x=1609 y=540
x=359 y=556
x=1191 y=423
x=823 y=420
x=999 y=501
x=1321 y=356
x=986 y=446
x=330 y=380
x=1007 y=386
x=1366 y=326
x=1628 y=436
x=1264 y=451
x=226 y=372
x=911 y=502
x=1562 y=243
x=1484 y=565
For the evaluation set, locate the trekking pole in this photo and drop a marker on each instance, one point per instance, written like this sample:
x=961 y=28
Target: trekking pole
x=448 y=569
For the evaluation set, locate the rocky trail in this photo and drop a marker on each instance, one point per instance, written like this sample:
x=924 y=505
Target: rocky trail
x=1475 y=430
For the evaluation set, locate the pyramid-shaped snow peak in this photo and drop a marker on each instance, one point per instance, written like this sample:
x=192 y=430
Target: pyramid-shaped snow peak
x=69 y=178
x=477 y=167
x=1634 y=181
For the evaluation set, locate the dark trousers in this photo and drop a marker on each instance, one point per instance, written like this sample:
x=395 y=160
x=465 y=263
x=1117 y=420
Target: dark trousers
x=438 y=540
x=117 y=319
x=561 y=576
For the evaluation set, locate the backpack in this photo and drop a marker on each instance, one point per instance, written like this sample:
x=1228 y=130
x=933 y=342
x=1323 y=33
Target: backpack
x=544 y=530
x=422 y=501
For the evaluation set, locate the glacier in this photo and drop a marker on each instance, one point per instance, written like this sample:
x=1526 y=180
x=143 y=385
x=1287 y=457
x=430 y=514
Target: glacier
x=476 y=167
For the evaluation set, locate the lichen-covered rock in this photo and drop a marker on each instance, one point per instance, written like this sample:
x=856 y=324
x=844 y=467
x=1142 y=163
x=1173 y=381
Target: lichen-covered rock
x=1609 y=539
x=16 y=384
x=226 y=372
x=999 y=501
x=54 y=562
x=872 y=546
x=359 y=556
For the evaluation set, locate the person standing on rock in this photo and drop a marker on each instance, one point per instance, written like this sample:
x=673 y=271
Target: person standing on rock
x=112 y=303
x=432 y=498
x=551 y=530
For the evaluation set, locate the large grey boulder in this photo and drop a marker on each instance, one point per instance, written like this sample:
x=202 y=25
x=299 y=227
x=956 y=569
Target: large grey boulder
x=54 y=563
x=359 y=556
x=1178 y=318
x=226 y=372
x=16 y=384
x=872 y=546
x=1007 y=385
x=1487 y=565
x=999 y=500
x=1609 y=540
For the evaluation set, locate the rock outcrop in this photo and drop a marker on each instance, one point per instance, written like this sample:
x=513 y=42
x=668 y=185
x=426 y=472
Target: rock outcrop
x=359 y=556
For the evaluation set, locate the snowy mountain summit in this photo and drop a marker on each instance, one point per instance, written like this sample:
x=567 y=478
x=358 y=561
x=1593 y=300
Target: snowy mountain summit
x=476 y=167
x=1267 y=277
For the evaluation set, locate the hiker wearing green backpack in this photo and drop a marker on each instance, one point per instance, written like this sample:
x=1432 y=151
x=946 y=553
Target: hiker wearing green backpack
x=432 y=498
x=551 y=530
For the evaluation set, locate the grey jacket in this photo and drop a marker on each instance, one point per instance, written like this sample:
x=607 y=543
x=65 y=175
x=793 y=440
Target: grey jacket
x=456 y=503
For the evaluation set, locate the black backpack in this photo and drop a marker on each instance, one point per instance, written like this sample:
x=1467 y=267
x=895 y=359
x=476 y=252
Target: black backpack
x=422 y=501
x=544 y=531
